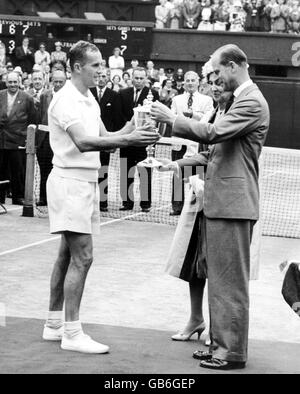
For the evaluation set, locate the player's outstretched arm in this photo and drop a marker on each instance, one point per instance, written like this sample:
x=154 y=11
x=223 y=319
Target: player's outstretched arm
x=138 y=137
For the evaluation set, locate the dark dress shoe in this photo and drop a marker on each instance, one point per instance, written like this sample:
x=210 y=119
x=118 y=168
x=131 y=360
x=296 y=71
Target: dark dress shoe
x=175 y=213
x=202 y=355
x=222 y=365
x=126 y=208
x=18 y=201
x=145 y=210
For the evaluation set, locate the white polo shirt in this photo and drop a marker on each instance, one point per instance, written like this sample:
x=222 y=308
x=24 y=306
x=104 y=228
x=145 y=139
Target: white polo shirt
x=67 y=108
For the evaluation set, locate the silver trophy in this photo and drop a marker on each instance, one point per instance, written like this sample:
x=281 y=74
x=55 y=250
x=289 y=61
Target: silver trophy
x=142 y=116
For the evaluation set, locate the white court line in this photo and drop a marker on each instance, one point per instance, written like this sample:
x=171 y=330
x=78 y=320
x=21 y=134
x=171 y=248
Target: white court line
x=14 y=209
x=56 y=238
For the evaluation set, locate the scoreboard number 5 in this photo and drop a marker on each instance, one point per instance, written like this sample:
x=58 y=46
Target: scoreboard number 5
x=124 y=35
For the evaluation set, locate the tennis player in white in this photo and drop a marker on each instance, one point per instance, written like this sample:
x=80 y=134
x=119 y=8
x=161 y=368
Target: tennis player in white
x=76 y=135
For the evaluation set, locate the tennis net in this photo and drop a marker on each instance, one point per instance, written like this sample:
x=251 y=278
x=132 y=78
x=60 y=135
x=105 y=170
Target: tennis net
x=279 y=188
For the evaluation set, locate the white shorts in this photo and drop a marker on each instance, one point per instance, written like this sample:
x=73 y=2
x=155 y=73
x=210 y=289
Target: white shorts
x=73 y=205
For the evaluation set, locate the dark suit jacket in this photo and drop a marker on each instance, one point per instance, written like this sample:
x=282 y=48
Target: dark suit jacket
x=13 y=128
x=110 y=107
x=231 y=183
x=127 y=103
x=25 y=61
x=43 y=105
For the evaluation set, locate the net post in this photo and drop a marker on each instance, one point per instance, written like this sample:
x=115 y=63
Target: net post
x=30 y=163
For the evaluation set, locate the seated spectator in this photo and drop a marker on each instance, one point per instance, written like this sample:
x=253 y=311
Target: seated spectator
x=293 y=18
x=58 y=54
x=116 y=63
x=58 y=65
x=265 y=18
x=134 y=64
x=179 y=76
x=162 y=12
x=117 y=83
x=47 y=77
x=9 y=67
x=179 y=87
x=157 y=87
x=125 y=78
x=191 y=11
x=221 y=15
x=170 y=73
x=279 y=15
x=42 y=57
x=175 y=13
x=237 y=17
x=252 y=9
x=109 y=84
x=152 y=73
x=26 y=85
x=161 y=76
x=129 y=83
x=167 y=93
x=206 y=16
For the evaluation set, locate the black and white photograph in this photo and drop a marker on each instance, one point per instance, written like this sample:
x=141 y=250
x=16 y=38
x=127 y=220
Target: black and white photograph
x=150 y=190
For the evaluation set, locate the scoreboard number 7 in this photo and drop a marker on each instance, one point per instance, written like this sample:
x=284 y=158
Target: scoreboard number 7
x=123 y=49
x=25 y=28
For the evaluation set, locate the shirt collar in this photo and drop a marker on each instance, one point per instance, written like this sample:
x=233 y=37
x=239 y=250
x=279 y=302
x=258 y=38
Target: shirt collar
x=80 y=97
x=242 y=87
x=12 y=95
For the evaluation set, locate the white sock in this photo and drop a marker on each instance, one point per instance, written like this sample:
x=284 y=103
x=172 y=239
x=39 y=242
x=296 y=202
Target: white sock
x=73 y=329
x=55 y=320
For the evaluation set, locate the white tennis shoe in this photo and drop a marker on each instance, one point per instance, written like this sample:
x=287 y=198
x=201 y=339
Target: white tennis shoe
x=52 y=334
x=84 y=344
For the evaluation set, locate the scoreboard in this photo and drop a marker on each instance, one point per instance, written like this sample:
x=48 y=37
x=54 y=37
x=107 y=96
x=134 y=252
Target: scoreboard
x=133 y=38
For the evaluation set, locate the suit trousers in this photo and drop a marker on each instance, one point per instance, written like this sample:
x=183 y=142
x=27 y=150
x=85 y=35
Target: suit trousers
x=13 y=161
x=129 y=159
x=227 y=249
x=103 y=178
x=44 y=156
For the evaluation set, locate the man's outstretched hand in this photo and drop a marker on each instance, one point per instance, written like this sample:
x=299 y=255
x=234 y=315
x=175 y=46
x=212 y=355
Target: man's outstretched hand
x=143 y=136
x=162 y=113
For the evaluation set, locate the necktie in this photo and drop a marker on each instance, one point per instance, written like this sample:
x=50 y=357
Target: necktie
x=100 y=94
x=136 y=97
x=190 y=101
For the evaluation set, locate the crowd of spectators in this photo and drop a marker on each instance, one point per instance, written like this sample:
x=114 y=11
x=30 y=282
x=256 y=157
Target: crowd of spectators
x=276 y=16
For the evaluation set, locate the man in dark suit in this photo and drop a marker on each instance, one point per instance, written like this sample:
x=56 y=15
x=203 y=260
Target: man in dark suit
x=25 y=56
x=231 y=203
x=44 y=152
x=109 y=103
x=130 y=98
x=17 y=111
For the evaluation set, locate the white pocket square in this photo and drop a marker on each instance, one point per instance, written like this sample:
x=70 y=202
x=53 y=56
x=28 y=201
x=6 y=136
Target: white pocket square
x=108 y=104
